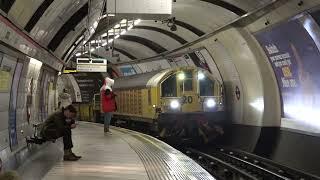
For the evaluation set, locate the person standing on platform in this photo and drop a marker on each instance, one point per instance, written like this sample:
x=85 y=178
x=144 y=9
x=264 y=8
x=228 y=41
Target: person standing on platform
x=65 y=99
x=107 y=102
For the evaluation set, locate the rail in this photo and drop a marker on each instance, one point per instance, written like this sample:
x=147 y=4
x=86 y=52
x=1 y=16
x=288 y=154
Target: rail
x=230 y=164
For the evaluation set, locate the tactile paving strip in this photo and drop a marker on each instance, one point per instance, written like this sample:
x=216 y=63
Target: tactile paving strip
x=163 y=162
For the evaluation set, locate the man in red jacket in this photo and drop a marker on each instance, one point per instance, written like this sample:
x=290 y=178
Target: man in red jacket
x=108 y=103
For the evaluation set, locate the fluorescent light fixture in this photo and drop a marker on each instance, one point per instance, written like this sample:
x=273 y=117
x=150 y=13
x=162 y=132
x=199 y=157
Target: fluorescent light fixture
x=104 y=35
x=95 y=24
x=97 y=41
x=123 y=21
x=130 y=27
x=123 y=32
x=92 y=49
x=91 y=30
x=137 y=21
x=104 y=44
x=36 y=62
x=80 y=38
x=117 y=36
x=116 y=26
x=174 y=104
x=110 y=41
x=103 y=16
x=78 y=54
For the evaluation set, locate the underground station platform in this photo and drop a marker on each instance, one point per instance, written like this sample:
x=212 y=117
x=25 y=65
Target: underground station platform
x=124 y=154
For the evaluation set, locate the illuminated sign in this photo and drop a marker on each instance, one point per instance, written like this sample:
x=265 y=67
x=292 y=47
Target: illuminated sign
x=69 y=71
x=91 y=65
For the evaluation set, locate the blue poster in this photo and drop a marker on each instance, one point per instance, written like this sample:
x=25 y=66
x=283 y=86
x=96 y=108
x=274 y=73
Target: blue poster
x=127 y=70
x=13 y=107
x=295 y=59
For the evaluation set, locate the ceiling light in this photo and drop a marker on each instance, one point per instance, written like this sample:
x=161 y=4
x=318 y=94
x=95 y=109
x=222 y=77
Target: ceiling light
x=123 y=32
x=130 y=27
x=137 y=21
x=95 y=24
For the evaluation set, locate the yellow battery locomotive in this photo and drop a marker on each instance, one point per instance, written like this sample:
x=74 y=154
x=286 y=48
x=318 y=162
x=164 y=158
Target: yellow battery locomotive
x=185 y=101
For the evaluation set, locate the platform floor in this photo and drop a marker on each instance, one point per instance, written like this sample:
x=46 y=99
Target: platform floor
x=123 y=155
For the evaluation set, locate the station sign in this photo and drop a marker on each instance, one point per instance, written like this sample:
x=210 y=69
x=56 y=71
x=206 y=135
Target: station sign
x=91 y=65
x=68 y=71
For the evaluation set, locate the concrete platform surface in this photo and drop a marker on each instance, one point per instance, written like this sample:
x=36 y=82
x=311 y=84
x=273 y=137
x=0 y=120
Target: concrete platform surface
x=123 y=155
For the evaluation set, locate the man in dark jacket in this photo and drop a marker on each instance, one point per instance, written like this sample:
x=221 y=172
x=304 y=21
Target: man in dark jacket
x=59 y=125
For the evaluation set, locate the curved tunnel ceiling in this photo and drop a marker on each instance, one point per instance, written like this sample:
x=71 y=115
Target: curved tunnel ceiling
x=150 y=44
x=191 y=28
x=49 y=22
x=132 y=57
x=72 y=22
x=37 y=15
x=229 y=6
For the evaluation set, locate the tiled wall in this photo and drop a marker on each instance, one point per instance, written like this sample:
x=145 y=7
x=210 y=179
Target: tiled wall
x=27 y=90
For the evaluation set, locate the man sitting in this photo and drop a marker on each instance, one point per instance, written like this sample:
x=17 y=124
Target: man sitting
x=59 y=124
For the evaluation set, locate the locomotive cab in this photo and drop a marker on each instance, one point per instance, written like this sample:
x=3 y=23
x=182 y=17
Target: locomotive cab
x=190 y=90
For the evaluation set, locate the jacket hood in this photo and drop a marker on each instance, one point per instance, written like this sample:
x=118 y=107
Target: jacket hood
x=107 y=84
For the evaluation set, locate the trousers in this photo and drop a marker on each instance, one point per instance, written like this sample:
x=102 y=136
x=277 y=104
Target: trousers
x=107 y=118
x=51 y=134
x=67 y=139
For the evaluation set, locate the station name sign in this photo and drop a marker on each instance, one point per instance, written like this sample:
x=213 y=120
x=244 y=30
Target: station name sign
x=91 y=65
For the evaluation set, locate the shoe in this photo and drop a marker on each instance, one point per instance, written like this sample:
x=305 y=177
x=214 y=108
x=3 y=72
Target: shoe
x=79 y=157
x=109 y=132
x=70 y=157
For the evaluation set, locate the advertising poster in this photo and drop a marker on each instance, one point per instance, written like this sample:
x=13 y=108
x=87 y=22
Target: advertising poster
x=13 y=107
x=89 y=84
x=127 y=70
x=4 y=81
x=295 y=59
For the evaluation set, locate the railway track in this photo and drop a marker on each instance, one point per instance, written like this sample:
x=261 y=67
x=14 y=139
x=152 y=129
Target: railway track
x=229 y=164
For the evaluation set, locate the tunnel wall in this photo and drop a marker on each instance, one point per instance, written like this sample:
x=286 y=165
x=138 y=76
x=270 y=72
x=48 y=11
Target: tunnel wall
x=27 y=95
x=256 y=117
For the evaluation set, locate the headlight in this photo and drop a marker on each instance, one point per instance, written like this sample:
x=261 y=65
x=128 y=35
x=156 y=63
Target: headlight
x=174 y=104
x=181 y=76
x=210 y=103
x=200 y=76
